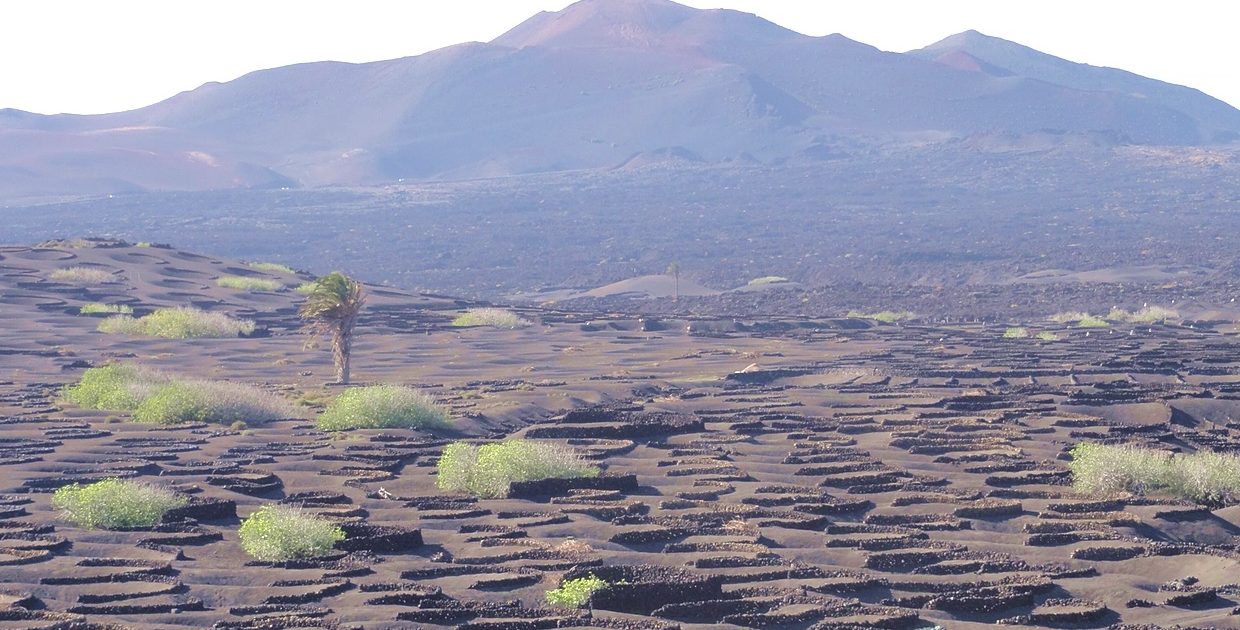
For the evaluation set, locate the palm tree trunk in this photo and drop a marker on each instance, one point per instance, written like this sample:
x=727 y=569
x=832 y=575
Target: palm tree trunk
x=341 y=342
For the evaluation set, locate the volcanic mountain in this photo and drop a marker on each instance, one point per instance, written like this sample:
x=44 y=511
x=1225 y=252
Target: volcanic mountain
x=598 y=85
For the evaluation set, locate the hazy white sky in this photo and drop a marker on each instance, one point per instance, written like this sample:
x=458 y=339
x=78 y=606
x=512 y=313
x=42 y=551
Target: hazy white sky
x=89 y=56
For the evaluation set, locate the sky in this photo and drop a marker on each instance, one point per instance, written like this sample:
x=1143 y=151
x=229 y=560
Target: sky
x=95 y=56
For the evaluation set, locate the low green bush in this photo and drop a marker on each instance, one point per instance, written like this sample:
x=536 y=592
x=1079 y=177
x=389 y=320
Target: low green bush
x=1089 y=321
x=487 y=470
x=383 y=407
x=212 y=401
x=765 y=280
x=82 y=275
x=1101 y=469
x=305 y=288
x=493 y=317
x=1153 y=315
x=1081 y=319
x=123 y=325
x=276 y=533
x=457 y=467
x=1048 y=336
x=115 y=504
x=1204 y=476
x=115 y=387
x=95 y=308
x=576 y=593
x=249 y=284
x=178 y=323
x=1068 y=317
x=271 y=267
x=1147 y=315
x=158 y=398
x=888 y=317
x=1016 y=333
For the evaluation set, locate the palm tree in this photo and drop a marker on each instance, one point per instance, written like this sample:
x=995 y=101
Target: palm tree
x=673 y=270
x=332 y=305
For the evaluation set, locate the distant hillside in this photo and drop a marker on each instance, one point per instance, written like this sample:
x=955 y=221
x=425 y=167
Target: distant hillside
x=1216 y=120
x=599 y=85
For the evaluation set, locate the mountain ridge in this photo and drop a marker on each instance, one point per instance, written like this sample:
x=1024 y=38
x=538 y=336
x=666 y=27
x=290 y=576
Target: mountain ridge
x=592 y=87
x=1022 y=60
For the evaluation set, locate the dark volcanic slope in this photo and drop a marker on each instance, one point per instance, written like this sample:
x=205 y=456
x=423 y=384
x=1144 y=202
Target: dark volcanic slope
x=593 y=86
x=861 y=477
x=1030 y=228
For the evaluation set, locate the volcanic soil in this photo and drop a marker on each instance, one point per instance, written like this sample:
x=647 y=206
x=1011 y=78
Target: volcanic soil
x=790 y=473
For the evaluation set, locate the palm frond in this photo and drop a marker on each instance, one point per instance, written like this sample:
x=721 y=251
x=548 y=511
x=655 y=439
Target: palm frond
x=333 y=297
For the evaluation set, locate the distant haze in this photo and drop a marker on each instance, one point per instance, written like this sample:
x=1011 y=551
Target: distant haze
x=85 y=56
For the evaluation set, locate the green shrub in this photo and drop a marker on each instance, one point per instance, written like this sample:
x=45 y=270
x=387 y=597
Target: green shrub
x=1147 y=315
x=383 y=407
x=486 y=471
x=765 y=280
x=493 y=317
x=456 y=468
x=160 y=399
x=114 y=387
x=82 y=275
x=892 y=316
x=271 y=267
x=96 y=307
x=249 y=284
x=889 y=317
x=1081 y=319
x=1205 y=476
x=1015 y=333
x=1100 y=469
x=1153 y=315
x=115 y=504
x=277 y=533
x=212 y=401
x=1048 y=336
x=1089 y=321
x=575 y=593
x=305 y=288
x=178 y=323
x=122 y=325
x=1067 y=317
